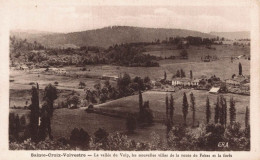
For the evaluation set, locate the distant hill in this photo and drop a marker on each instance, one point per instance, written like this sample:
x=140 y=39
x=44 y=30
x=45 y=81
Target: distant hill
x=107 y=36
x=232 y=35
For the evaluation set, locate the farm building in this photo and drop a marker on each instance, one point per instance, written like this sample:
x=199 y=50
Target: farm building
x=195 y=82
x=181 y=81
x=214 y=90
x=185 y=82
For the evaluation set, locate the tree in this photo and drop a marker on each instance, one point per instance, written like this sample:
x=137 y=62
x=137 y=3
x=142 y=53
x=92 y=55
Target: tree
x=23 y=121
x=101 y=136
x=17 y=126
x=178 y=73
x=79 y=137
x=216 y=118
x=141 y=110
x=97 y=87
x=140 y=82
x=240 y=68
x=222 y=111
x=11 y=125
x=165 y=75
x=191 y=75
x=192 y=99
x=185 y=107
x=184 y=54
x=208 y=112
x=56 y=83
x=171 y=108
x=167 y=106
x=82 y=84
x=130 y=123
x=74 y=100
x=147 y=79
x=232 y=111
x=182 y=73
x=225 y=112
x=34 y=115
x=45 y=121
x=247 y=114
x=50 y=95
x=147 y=113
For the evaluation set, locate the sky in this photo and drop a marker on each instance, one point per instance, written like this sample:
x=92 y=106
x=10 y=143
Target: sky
x=73 y=17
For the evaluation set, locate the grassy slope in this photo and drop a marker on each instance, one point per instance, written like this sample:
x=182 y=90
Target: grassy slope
x=157 y=104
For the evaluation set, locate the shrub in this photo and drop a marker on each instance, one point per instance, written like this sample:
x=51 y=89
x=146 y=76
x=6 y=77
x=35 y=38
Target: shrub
x=79 y=137
x=101 y=137
x=130 y=123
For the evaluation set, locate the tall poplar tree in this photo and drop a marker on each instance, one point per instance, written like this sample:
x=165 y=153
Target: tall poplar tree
x=167 y=106
x=240 y=69
x=192 y=99
x=208 y=112
x=247 y=114
x=185 y=107
x=34 y=115
x=232 y=111
x=216 y=118
x=171 y=108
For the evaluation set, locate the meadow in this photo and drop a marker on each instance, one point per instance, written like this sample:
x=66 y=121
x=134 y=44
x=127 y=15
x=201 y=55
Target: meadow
x=157 y=104
x=65 y=120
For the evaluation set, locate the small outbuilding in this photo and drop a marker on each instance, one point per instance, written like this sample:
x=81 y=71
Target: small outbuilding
x=214 y=90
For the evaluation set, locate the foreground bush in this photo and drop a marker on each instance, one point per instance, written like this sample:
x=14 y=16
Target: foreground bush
x=203 y=138
x=43 y=145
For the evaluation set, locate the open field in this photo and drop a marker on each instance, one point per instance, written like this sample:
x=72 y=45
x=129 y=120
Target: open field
x=195 y=52
x=65 y=120
x=23 y=78
x=222 y=68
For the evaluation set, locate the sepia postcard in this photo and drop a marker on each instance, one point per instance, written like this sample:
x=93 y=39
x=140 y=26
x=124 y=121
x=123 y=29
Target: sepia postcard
x=130 y=79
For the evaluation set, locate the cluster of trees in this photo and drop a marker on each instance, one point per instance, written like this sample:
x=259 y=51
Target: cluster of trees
x=213 y=132
x=125 y=86
x=124 y=54
x=179 y=74
x=184 y=54
x=16 y=125
x=20 y=49
x=190 y=40
x=35 y=130
x=19 y=45
x=221 y=110
x=130 y=55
